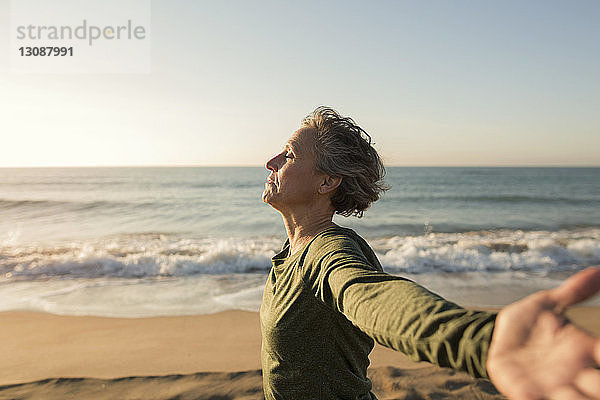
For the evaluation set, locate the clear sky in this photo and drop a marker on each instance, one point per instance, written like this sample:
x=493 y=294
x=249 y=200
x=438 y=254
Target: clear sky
x=434 y=82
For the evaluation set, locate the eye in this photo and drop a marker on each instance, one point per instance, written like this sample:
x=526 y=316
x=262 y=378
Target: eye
x=289 y=154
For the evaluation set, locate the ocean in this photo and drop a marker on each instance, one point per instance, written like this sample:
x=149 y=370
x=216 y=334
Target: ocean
x=140 y=242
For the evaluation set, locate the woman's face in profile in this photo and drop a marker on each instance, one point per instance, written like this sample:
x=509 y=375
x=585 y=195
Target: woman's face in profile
x=293 y=181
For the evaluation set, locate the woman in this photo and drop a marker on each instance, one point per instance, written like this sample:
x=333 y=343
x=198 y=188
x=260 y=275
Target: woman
x=327 y=299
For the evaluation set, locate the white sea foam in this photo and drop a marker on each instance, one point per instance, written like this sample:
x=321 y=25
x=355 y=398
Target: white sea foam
x=158 y=274
x=137 y=256
x=542 y=252
x=158 y=255
x=11 y=238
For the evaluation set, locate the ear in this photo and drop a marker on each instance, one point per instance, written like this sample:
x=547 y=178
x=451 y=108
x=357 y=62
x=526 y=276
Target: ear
x=329 y=184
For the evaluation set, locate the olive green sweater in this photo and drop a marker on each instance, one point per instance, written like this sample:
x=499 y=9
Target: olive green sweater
x=324 y=305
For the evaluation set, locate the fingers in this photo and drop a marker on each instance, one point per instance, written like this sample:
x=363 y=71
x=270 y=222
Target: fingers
x=577 y=288
x=588 y=383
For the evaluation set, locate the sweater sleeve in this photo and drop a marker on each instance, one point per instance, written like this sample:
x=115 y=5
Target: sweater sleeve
x=404 y=316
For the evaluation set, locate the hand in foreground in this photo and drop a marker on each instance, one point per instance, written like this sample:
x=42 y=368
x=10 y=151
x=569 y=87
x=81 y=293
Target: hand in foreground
x=537 y=353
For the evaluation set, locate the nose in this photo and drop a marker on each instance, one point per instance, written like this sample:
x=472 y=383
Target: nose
x=274 y=163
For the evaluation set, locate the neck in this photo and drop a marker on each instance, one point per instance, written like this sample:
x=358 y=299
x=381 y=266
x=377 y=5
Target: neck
x=302 y=227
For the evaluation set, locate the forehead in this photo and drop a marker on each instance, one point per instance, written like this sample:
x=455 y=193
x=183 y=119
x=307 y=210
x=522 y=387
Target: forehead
x=302 y=140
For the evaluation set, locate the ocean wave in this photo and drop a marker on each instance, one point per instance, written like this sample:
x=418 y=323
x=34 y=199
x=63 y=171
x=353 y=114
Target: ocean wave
x=379 y=228
x=214 y=185
x=491 y=251
x=136 y=256
x=9 y=204
x=74 y=206
x=509 y=198
x=165 y=255
x=32 y=183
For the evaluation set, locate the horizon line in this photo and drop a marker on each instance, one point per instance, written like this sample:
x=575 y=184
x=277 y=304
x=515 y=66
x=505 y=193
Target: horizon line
x=541 y=165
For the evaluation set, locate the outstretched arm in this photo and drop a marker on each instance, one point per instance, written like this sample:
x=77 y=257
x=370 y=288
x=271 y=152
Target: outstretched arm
x=404 y=316
x=537 y=353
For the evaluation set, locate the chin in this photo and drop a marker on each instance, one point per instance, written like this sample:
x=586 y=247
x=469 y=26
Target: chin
x=266 y=197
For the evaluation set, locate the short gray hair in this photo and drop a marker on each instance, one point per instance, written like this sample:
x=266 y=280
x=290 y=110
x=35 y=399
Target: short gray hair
x=343 y=149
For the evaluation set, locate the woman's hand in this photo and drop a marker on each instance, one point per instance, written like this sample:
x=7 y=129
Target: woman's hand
x=537 y=353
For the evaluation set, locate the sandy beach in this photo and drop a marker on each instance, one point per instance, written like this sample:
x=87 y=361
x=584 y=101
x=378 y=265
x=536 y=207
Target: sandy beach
x=214 y=356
